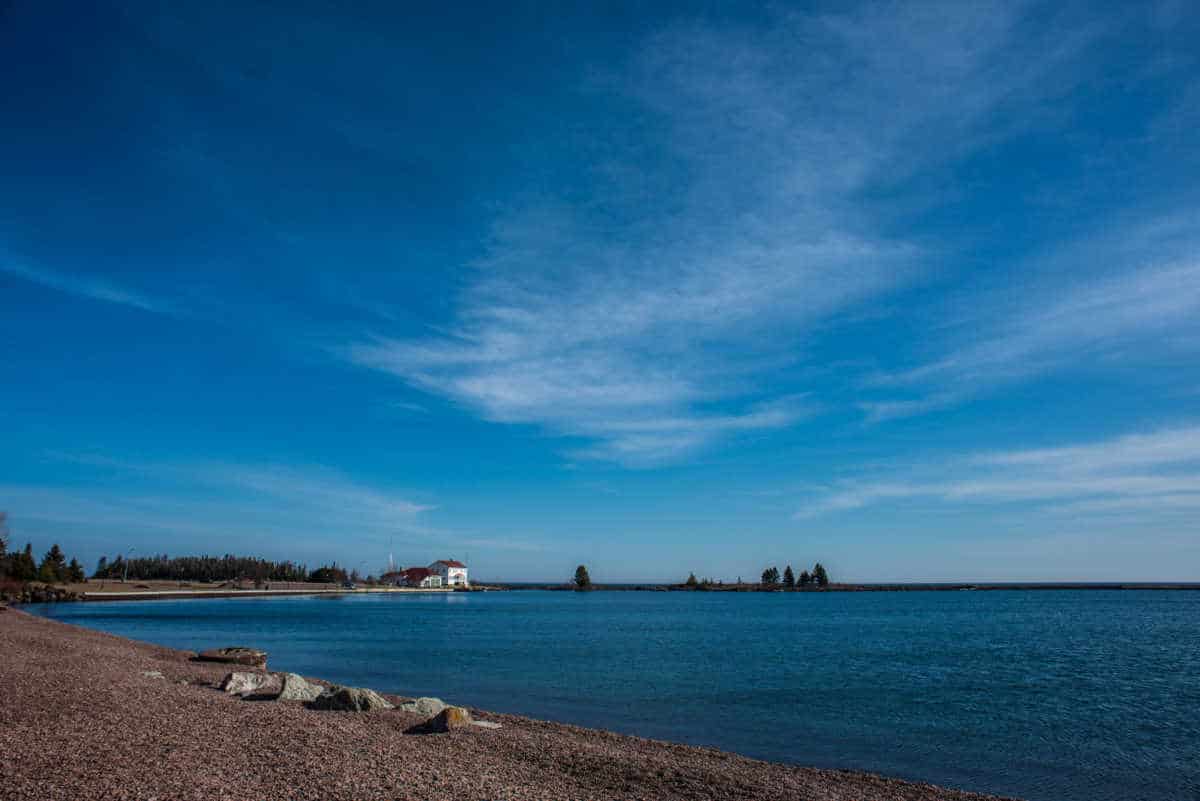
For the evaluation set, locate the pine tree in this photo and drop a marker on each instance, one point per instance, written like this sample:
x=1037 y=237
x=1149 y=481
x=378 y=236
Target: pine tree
x=23 y=566
x=770 y=576
x=75 y=572
x=582 y=580
x=789 y=578
x=4 y=559
x=101 y=567
x=53 y=569
x=805 y=579
x=691 y=580
x=820 y=576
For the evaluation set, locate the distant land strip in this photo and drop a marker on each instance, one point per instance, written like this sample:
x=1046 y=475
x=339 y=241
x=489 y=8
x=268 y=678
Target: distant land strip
x=900 y=587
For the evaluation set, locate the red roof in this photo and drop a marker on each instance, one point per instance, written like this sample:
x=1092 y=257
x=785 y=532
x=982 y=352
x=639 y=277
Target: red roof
x=449 y=563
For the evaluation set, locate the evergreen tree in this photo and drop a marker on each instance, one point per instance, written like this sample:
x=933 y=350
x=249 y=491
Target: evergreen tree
x=820 y=576
x=75 y=572
x=582 y=580
x=789 y=578
x=691 y=580
x=101 y=568
x=4 y=558
x=53 y=569
x=770 y=576
x=23 y=567
x=805 y=579
x=329 y=574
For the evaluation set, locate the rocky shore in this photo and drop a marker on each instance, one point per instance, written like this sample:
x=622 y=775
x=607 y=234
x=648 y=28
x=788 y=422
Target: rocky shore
x=87 y=715
x=36 y=594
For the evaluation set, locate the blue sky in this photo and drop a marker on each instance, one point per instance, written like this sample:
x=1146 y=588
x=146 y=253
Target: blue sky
x=909 y=289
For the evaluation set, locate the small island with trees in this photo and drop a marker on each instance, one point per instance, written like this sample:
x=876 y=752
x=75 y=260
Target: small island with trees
x=771 y=580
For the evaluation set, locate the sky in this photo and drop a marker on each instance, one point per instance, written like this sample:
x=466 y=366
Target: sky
x=909 y=289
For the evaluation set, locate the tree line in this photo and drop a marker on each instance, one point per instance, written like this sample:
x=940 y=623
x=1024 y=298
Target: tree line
x=21 y=566
x=819 y=577
x=211 y=568
x=54 y=568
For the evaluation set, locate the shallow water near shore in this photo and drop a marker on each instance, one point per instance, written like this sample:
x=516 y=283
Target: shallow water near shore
x=1087 y=695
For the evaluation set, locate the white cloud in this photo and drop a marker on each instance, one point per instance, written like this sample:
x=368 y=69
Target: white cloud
x=1129 y=293
x=1140 y=304
x=303 y=513
x=1160 y=448
x=656 y=305
x=1155 y=471
x=219 y=498
x=85 y=286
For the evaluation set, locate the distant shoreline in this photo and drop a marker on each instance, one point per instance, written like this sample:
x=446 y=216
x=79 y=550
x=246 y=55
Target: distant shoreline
x=152 y=595
x=915 y=587
x=166 y=594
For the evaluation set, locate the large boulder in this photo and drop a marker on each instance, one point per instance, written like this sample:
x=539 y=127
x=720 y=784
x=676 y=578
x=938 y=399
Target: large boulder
x=252 y=685
x=449 y=719
x=295 y=688
x=235 y=655
x=350 y=699
x=425 y=707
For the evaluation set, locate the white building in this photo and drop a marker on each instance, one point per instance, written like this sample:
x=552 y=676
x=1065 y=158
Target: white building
x=453 y=572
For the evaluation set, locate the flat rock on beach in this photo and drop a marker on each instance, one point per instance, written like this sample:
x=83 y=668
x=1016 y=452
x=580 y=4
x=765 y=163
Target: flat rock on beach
x=81 y=718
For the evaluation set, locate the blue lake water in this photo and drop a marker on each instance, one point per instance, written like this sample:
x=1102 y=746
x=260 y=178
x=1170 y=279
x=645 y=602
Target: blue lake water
x=1051 y=695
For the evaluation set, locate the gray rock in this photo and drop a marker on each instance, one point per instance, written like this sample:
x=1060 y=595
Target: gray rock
x=252 y=685
x=295 y=688
x=426 y=707
x=153 y=674
x=350 y=699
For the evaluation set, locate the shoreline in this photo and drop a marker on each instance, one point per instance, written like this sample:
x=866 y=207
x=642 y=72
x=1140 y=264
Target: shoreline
x=103 y=717
x=164 y=595
x=951 y=587
x=176 y=594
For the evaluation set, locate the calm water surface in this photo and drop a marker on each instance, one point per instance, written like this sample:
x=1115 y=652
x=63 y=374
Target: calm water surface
x=1088 y=695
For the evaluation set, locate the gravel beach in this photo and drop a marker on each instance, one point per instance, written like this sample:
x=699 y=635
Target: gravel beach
x=84 y=715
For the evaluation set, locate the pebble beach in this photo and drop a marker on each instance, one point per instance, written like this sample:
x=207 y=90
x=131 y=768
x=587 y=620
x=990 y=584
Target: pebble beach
x=88 y=715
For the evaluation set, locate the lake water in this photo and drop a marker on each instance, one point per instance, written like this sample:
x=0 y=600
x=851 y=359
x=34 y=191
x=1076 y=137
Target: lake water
x=1052 y=695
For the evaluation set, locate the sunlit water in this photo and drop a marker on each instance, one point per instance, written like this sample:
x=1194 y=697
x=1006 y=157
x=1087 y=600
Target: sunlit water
x=1052 y=695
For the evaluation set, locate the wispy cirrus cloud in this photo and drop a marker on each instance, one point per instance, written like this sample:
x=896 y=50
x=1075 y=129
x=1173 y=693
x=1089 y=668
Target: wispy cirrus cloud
x=308 y=512
x=662 y=304
x=313 y=505
x=1139 y=292
x=87 y=287
x=1149 y=472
